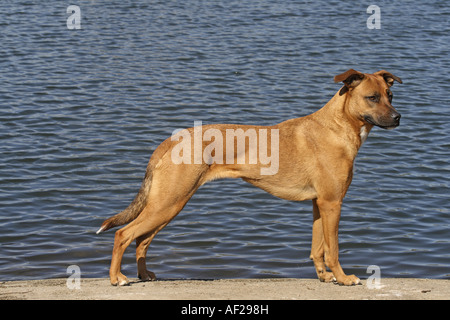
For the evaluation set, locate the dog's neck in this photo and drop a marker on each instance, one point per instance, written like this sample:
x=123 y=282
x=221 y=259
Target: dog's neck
x=346 y=125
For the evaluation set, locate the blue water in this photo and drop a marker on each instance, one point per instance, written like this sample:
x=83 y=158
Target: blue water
x=82 y=110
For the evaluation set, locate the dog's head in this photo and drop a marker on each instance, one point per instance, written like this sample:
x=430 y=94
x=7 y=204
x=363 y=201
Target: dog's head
x=371 y=97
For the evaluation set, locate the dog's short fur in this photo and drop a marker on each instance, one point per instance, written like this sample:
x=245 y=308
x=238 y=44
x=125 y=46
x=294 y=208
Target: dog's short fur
x=316 y=156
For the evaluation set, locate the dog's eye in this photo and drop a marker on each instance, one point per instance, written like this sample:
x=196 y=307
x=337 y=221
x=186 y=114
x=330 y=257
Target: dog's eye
x=373 y=98
x=390 y=96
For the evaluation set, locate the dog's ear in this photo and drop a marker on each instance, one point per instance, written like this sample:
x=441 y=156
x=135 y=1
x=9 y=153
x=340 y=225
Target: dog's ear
x=351 y=79
x=388 y=77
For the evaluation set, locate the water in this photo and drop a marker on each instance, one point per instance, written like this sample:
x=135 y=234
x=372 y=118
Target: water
x=82 y=110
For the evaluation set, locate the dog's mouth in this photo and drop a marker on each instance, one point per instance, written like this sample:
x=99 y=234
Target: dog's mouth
x=384 y=125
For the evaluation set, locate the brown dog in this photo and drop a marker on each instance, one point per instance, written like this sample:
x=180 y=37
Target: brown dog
x=311 y=158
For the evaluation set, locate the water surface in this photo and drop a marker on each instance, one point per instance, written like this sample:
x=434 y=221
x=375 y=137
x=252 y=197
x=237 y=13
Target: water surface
x=82 y=110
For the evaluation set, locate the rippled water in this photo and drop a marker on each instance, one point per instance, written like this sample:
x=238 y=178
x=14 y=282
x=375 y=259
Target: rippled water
x=82 y=110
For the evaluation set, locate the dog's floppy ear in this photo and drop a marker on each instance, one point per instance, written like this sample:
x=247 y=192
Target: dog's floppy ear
x=388 y=77
x=351 y=79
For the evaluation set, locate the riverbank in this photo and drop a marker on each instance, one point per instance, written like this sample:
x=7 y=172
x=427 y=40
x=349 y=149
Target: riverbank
x=235 y=289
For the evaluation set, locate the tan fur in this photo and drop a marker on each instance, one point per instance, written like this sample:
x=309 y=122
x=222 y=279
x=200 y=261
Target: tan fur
x=316 y=156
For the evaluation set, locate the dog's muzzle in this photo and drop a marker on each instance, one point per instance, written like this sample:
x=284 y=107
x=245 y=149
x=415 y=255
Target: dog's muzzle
x=390 y=122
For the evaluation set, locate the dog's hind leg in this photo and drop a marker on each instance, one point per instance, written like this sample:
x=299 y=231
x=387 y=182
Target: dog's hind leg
x=142 y=244
x=168 y=196
x=143 y=229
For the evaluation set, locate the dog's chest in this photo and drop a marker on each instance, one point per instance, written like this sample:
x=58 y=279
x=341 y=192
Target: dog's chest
x=363 y=133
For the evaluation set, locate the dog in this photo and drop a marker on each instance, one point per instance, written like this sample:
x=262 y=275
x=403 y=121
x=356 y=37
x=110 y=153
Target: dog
x=312 y=159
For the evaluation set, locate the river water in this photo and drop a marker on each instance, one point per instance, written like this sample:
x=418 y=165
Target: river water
x=81 y=111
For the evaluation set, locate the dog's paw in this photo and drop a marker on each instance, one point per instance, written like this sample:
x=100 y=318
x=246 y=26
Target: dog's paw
x=120 y=280
x=327 y=277
x=348 y=280
x=147 y=276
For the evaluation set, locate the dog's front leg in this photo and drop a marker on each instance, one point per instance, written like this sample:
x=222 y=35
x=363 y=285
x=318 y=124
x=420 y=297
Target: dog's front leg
x=317 y=247
x=330 y=212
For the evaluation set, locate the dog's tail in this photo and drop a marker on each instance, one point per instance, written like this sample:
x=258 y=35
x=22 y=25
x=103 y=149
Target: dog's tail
x=135 y=207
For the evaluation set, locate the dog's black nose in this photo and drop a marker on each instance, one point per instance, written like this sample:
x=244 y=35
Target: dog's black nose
x=396 y=116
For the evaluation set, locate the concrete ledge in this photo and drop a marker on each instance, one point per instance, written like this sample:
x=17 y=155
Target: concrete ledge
x=236 y=289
